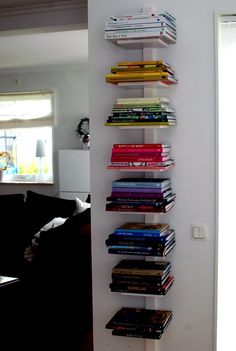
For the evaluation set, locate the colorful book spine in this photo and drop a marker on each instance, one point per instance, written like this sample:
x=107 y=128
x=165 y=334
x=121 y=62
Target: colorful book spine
x=139 y=159
x=157 y=151
x=154 y=100
x=141 y=146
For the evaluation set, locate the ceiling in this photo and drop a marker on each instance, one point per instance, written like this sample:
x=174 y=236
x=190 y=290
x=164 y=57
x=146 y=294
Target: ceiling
x=44 y=49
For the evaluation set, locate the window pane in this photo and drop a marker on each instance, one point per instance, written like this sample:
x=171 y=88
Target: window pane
x=21 y=143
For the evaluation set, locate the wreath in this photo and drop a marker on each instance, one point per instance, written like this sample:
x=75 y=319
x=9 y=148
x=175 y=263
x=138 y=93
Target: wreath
x=82 y=130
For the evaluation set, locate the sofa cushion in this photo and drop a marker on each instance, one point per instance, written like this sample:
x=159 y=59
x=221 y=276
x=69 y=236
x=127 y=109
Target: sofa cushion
x=41 y=209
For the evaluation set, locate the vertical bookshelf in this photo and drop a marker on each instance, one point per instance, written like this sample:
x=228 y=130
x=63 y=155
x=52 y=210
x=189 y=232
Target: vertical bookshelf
x=150 y=135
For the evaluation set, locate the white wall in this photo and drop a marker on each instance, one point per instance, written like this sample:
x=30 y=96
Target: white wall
x=193 y=141
x=70 y=84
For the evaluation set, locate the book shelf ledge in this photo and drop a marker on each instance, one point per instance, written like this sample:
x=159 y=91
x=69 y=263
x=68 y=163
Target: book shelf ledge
x=138 y=213
x=152 y=84
x=142 y=43
x=144 y=126
x=140 y=168
x=142 y=295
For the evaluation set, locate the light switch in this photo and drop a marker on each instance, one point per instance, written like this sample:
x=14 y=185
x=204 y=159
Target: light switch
x=199 y=232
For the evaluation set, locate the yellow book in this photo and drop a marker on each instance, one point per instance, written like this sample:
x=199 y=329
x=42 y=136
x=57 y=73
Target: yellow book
x=130 y=69
x=135 y=76
x=142 y=63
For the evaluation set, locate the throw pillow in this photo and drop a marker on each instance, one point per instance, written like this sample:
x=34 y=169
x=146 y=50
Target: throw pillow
x=41 y=209
x=81 y=206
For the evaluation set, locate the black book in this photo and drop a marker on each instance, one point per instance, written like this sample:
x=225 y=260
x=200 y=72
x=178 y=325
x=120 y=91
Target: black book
x=139 y=207
x=124 y=280
x=147 y=333
x=143 y=277
x=137 y=334
x=142 y=200
x=142 y=250
x=141 y=267
x=143 y=289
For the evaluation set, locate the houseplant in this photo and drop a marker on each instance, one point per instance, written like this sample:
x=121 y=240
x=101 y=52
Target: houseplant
x=5 y=158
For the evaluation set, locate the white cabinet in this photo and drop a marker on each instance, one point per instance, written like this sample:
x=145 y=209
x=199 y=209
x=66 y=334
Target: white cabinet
x=74 y=173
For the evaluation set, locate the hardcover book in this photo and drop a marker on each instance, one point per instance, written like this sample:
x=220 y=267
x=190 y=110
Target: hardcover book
x=141 y=182
x=141 y=146
x=133 y=227
x=122 y=237
x=136 y=267
x=142 y=250
x=140 y=289
x=136 y=195
x=140 y=280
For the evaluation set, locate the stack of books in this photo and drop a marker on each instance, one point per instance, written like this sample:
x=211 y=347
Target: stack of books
x=141 y=71
x=147 y=239
x=141 y=195
x=140 y=322
x=141 y=26
x=142 y=277
x=142 y=111
x=131 y=156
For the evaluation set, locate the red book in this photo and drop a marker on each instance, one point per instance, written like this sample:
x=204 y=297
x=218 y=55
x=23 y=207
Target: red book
x=157 y=151
x=139 y=158
x=156 y=146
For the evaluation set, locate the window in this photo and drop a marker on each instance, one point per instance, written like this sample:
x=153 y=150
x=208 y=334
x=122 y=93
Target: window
x=26 y=122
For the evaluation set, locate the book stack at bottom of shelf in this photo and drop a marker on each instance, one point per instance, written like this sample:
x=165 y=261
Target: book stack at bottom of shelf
x=139 y=322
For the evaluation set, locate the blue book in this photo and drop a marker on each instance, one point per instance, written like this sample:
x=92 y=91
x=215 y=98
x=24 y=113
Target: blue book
x=141 y=182
x=142 y=239
x=143 y=229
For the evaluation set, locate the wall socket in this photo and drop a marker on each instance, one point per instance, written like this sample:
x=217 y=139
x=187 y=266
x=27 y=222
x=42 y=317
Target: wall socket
x=199 y=232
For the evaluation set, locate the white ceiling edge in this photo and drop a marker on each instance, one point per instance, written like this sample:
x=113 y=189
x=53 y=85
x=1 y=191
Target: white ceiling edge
x=48 y=49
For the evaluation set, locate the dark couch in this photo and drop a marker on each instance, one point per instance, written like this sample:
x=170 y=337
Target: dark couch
x=53 y=299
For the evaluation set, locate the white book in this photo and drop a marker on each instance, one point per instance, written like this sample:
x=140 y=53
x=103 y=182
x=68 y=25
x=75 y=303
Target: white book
x=138 y=30
x=140 y=21
x=135 y=26
x=143 y=15
x=138 y=34
x=134 y=15
x=142 y=100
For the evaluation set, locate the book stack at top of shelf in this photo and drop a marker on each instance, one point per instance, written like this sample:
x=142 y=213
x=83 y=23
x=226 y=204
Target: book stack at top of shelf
x=142 y=112
x=141 y=72
x=141 y=29
x=147 y=239
x=141 y=157
x=141 y=195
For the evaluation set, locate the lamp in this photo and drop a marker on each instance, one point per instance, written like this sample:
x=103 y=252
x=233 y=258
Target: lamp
x=40 y=153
